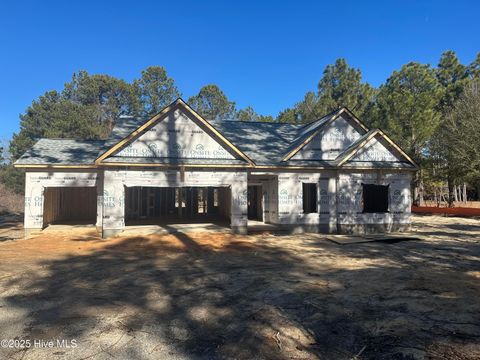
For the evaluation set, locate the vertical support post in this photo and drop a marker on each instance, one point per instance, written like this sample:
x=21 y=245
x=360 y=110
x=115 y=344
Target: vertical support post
x=113 y=204
x=239 y=209
x=387 y=218
x=263 y=202
x=337 y=195
x=99 y=201
x=289 y=195
x=180 y=201
x=33 y=205
x=274 y=199
x=332 y=204
x=328 y=204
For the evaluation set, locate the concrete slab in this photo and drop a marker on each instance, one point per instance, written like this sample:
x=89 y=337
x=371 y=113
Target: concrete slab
x=256 y=226
x=140 y=229
x=66 y=227
x=174 y=228
x=356 y=239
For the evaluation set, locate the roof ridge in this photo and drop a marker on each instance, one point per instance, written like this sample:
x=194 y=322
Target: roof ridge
x=324 y=116
x=59 y=138
x=252 y=122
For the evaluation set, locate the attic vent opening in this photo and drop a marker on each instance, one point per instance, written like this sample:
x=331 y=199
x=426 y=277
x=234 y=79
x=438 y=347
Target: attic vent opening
x=375 y=198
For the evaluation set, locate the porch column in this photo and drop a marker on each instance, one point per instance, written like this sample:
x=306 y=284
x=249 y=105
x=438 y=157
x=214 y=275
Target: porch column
x=328 y=205
x=239 y=209
x=113 y=201
x=33 y=218
x=332 y=204
x=98 y=223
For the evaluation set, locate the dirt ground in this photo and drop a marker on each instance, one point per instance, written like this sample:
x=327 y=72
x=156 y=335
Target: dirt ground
x=11 y=226
x=216 y=295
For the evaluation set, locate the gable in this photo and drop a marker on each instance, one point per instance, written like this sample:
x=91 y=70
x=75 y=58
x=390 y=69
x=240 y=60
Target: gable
x=177 y=135
x=330 y=141
x=182 y=134
x=376 y=151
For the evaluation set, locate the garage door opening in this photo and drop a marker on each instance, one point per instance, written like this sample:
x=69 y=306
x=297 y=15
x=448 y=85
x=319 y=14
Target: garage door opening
x=163 y=205
x=70 y=206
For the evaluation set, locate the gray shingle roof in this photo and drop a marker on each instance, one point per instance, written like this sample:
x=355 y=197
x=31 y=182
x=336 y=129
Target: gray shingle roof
x=61 y=152
x=123 y=127
x=265 y=143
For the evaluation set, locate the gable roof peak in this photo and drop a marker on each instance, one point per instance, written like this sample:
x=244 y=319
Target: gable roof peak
x=355 y=147
x=332 y=113
x=138 y=130
x=309 y=131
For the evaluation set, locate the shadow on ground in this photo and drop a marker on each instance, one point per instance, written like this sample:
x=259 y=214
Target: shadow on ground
x=273 y=297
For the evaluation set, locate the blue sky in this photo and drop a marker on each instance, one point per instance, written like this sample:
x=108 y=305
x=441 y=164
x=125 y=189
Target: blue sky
x=266 y=54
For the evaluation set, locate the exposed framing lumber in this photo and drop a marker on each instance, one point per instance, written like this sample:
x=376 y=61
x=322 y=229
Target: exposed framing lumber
x=58 y=200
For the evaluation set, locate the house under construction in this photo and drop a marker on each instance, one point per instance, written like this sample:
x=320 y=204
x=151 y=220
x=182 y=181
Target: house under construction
x=331 y=175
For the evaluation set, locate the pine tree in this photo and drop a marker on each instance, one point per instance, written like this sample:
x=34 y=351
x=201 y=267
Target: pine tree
x=212 y=103
x=155 y=90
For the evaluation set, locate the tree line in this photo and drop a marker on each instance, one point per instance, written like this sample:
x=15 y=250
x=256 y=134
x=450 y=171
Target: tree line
x=432 y=112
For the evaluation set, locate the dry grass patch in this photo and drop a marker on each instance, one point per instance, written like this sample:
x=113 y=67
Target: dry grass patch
x=10 y=202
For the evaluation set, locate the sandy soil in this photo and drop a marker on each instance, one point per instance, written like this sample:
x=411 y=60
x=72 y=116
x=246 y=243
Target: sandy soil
x=215 y=295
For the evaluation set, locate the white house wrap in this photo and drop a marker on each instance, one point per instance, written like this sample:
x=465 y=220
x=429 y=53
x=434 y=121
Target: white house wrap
x=332 y=175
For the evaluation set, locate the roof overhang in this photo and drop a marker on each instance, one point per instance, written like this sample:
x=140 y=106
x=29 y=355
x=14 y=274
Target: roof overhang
x=55 y=166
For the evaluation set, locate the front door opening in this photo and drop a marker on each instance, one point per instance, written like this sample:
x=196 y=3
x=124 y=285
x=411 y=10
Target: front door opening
x=255 y=202
x=309 y=198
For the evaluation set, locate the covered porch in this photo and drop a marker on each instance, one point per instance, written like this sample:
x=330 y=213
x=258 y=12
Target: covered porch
x=262 y=201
